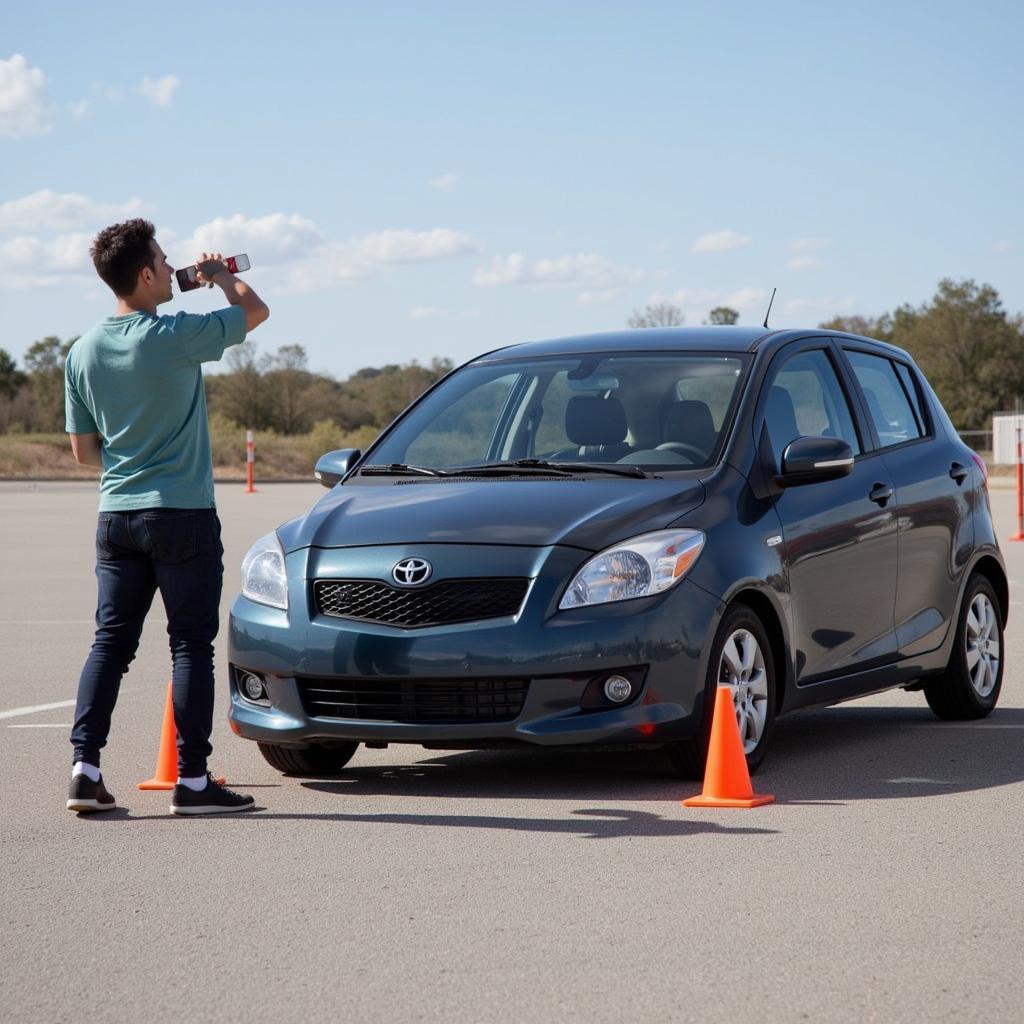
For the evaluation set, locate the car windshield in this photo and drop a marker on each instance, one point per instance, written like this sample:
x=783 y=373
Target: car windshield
x=651 y=411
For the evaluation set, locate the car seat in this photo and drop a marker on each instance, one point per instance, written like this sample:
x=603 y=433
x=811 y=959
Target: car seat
x=597 y=426
x=780 y=416
x=688 y=426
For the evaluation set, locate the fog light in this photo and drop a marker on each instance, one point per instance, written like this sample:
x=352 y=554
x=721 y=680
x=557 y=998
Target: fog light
x=251 y=685
x=618 y=689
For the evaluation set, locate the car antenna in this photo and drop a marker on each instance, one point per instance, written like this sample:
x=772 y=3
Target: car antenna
x=770 y=301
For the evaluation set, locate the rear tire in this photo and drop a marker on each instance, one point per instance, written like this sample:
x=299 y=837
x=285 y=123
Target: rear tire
x=316 y=759
x=969 y=687
x=741 y=626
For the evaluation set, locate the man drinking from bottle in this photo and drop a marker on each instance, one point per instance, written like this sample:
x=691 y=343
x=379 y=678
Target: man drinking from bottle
x=136 y=409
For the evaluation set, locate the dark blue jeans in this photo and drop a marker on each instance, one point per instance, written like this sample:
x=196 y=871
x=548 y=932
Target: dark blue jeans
x=179 y=553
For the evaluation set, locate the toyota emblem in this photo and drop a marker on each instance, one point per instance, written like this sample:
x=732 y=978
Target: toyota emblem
x=411 y=571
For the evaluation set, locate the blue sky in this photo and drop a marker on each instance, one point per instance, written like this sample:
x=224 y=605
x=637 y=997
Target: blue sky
x=413 y=180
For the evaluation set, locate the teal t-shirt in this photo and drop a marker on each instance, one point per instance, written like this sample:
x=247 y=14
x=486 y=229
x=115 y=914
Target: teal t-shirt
x=136 y=380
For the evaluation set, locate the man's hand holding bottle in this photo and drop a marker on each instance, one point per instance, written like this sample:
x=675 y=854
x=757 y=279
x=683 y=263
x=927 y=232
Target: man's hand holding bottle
x=212 y=269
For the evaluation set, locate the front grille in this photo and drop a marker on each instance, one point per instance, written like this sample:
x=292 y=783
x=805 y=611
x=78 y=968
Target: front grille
x=437 y=605
x=414 y=700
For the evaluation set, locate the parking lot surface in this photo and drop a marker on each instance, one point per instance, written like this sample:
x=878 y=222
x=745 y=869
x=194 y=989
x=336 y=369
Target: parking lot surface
x=884 y=883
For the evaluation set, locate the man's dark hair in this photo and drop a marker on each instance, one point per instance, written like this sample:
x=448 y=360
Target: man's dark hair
x=121 y=251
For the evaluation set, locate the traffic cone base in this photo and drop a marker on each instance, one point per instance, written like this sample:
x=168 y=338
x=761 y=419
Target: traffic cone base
x=720 y=801
x=726 y=776
x=166 y=776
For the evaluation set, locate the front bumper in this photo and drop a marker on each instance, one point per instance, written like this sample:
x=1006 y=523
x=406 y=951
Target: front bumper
x=659 y=642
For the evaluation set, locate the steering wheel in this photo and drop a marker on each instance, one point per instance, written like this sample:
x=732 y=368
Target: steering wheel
x=684 y=449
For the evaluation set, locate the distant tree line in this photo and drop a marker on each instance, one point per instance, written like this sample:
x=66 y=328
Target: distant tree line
x=259 y=391
x=969 y=348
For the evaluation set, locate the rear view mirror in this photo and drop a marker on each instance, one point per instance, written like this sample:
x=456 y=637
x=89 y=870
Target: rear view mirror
x=809 y=460
x=334 y=466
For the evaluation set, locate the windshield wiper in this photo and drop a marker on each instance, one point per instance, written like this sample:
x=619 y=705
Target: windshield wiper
x=600 y=467
x=518 y=466
x=400 y=469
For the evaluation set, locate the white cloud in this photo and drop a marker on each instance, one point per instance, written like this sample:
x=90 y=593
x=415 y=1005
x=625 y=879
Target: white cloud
x=425 y=312
x=29 y=262
x=311 y=261
x=600 y=279
x=395 y=246
x=1003 y=245
x=308 y=260
x=444 y=182
x=696 y=303
x=78 y=110
x=47 y=210
x=275 y=238
x=363 y=256
x=159 y=90
x=24 y=109
x=804 y=263
x=720 y=241
x=500 y=270
x=809 y=244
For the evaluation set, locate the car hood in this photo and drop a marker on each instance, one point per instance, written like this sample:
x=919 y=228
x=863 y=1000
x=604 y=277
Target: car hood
x=588 y=514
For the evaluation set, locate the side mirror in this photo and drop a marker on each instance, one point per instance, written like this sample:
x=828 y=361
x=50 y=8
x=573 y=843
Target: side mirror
x=811 y=460
x=331 y=468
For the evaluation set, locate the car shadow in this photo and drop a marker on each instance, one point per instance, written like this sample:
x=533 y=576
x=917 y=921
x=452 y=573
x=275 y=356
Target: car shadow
x=833 y=755
x=883 y=753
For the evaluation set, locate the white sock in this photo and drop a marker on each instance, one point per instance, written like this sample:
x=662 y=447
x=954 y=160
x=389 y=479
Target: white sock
x=84 y=768
x=197 y=784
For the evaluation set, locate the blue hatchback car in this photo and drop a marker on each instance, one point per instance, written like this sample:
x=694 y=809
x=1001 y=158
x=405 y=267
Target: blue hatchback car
x=574 y=542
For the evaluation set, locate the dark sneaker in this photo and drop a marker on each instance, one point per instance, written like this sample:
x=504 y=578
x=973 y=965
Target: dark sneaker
x=86 y=796
x=215 y=799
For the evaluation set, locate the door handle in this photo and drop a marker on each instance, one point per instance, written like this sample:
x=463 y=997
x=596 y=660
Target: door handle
x=958 y=472
x=881 y=493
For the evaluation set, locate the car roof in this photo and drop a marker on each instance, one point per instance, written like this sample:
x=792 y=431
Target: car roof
x=645 y=339
x=672 y=339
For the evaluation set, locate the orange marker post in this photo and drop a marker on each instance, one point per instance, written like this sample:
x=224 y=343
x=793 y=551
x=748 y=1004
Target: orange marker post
x=1019 y=535
x=250 y=462
x=726 y=777
x=166 y=774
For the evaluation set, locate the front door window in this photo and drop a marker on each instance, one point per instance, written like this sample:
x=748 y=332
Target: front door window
x=807 y=400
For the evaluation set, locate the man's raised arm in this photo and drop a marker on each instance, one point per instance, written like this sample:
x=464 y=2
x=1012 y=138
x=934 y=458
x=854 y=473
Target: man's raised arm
x=211 y=270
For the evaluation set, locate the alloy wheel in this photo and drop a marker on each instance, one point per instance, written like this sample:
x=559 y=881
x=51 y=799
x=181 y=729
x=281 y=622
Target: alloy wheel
x=982 y=645
x=742 y=670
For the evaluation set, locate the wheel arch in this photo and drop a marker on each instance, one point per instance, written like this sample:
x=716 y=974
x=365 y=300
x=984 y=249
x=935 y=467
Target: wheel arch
x=765 y=609
x=990 y=568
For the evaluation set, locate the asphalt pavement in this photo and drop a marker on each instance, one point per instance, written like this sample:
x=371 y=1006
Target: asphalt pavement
x=883 y=885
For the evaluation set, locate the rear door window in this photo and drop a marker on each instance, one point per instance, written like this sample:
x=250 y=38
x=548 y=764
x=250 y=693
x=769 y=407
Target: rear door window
x=896 y=421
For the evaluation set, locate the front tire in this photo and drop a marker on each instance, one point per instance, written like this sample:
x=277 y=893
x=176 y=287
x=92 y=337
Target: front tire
x=316 y=759
x=741 y=658
x=969 y=688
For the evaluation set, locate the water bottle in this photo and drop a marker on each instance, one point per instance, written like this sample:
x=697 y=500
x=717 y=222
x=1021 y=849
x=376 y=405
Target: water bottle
x=187 y=275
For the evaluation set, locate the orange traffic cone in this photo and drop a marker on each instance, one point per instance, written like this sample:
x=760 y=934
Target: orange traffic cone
x=166 y=776
x=726 y=778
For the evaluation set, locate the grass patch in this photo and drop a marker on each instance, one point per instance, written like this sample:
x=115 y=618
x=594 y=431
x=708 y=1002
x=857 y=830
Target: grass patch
x=278 y=457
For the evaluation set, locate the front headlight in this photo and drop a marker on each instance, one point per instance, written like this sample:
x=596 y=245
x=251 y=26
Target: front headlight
x=263 y=576
x=637 y=567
